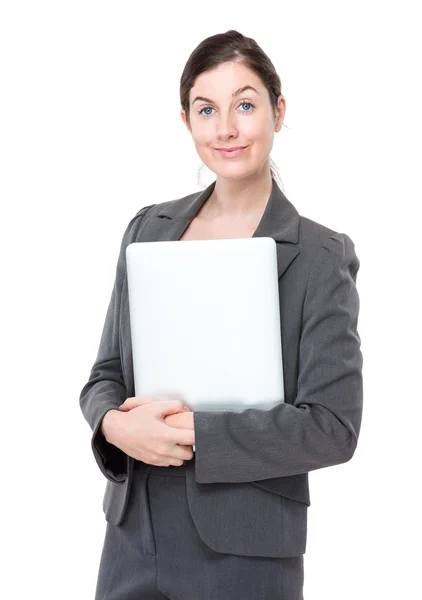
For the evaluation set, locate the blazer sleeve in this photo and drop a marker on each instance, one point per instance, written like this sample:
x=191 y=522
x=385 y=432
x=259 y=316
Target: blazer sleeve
x=321 y=427
x=105 y=388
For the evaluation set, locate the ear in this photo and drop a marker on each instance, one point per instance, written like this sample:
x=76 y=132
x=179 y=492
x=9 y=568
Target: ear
x=184 y=119
x=281 y=110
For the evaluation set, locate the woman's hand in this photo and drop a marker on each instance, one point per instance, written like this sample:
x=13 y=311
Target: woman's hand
x=139 y=429
x=179 y=420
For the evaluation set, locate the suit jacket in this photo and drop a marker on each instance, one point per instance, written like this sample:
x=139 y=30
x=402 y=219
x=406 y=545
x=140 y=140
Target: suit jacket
x=248 y=485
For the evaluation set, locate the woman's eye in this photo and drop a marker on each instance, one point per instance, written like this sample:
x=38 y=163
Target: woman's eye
x=205 y=108
x=201 y=112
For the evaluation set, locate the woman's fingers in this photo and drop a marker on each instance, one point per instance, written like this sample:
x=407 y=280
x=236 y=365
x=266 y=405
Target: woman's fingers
x=135 y=401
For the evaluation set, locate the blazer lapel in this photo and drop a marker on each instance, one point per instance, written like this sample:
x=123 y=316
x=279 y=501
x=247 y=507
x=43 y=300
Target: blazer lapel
x=280 y=221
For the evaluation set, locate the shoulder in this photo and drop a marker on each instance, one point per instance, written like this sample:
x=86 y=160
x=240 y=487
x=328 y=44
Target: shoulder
x=324 y=250
x=314 y=236
x=154 y=210
x=175 y=205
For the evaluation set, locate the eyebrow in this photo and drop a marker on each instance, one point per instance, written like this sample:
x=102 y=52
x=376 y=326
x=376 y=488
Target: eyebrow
x=235 y=93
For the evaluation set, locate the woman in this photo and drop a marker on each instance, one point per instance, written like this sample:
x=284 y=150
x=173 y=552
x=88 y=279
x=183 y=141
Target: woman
x=228 y=520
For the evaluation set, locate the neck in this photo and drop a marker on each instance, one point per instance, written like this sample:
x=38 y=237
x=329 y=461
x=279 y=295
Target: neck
x=236 y=199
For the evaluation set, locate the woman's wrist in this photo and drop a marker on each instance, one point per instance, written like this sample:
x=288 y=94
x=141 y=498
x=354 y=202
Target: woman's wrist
x=110 y=424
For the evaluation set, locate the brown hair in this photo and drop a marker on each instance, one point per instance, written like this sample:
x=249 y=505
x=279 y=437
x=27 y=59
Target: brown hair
x=231 y=46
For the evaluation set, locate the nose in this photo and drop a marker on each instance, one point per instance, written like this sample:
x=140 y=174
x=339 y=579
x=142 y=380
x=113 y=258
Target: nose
x=226 y=125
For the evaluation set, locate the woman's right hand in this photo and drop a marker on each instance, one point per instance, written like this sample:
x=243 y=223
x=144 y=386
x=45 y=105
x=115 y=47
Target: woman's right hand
x=142 y=433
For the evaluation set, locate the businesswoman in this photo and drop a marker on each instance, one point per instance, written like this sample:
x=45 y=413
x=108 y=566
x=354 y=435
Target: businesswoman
x=212 y=505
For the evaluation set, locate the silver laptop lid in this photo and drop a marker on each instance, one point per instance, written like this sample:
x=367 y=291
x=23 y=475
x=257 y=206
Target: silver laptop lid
x=205 y=322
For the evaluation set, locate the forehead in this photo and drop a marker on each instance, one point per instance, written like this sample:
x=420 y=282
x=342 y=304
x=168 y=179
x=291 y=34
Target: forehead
x=224 y=80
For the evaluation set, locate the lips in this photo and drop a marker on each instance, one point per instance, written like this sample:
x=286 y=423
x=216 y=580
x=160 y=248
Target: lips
x=231 y=149
x=232 y=152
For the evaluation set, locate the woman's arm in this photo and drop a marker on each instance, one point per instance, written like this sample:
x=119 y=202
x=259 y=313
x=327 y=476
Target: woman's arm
x=105 y=389
x=321 y=428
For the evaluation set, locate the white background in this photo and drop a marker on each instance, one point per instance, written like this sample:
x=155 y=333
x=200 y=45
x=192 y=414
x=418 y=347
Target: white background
x=91 y=133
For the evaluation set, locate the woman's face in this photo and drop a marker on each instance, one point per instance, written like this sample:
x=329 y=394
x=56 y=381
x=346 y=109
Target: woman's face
x=220 y=120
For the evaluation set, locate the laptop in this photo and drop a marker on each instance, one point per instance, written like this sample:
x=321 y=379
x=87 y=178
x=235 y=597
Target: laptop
x=205 y=322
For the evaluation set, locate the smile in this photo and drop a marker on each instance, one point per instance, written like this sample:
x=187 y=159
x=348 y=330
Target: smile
x=232 y=153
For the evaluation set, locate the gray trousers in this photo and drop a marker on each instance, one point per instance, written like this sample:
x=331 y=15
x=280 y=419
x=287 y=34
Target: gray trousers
x=157 y=554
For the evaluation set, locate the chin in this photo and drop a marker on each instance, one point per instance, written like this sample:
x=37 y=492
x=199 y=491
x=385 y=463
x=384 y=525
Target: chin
x=239 y=172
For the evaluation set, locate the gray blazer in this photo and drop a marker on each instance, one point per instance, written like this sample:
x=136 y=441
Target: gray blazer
x=248 y=485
